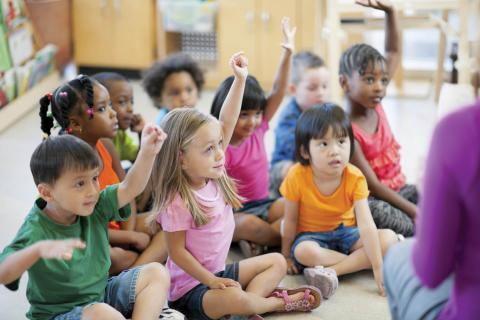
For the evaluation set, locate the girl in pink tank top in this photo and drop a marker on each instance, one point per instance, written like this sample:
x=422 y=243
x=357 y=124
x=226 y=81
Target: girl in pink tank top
x=364 y=76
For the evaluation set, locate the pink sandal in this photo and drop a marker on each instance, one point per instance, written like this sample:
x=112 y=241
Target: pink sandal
x=300 y=305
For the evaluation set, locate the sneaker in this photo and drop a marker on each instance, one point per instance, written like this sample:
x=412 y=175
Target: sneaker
x=322 y=278
x=171 y=314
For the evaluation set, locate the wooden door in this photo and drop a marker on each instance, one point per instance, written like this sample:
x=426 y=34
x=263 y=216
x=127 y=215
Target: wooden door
x=236 y=30
x=269 y=37
x=133 y=38
x=92 y=32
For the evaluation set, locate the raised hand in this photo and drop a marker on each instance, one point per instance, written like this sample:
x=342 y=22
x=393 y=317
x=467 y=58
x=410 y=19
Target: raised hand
x=152 y=138
x=384 y=5
x=288 y=34
x=222 y=283
x=239 y=63
x=59 y=249
x=137 y=123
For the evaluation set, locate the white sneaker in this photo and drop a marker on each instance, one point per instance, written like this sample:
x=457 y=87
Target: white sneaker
x=322 y=278
x=171 y=314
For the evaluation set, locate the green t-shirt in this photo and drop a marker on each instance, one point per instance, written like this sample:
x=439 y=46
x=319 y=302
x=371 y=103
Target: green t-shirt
x=57 y=286
x=125 y=146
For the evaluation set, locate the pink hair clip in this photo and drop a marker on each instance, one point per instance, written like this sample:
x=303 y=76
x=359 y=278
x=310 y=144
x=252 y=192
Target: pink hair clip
x=49 y=96
x=68 y=130
x=63 y=94
x=90 y=112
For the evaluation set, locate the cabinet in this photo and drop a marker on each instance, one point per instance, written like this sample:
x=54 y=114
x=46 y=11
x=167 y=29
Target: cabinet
x=114 y=33
x=254 y=26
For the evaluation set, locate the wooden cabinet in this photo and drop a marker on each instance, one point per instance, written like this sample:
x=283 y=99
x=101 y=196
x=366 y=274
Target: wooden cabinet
x=254 y=26
x=114 y=33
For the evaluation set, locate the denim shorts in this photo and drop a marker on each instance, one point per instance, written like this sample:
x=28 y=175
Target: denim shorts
x=119 y=293
x=258 y=208
x=191 y=304
x=341 y=239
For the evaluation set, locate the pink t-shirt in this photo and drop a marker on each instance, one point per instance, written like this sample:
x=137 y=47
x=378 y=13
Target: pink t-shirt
x=247 y=164
x=209 y=244
x=382 y=152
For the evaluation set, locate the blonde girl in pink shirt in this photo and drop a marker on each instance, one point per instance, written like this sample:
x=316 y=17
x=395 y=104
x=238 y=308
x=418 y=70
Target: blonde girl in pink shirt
x=194 y=199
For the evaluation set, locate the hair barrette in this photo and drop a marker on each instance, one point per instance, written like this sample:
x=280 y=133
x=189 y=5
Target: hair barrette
x=49 y=96
x=69 y=130
x=90 y=112
x=63 y=94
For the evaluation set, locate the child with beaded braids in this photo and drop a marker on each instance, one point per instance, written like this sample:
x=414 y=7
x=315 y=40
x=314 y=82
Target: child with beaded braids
x=82 y=108
x=364 y=76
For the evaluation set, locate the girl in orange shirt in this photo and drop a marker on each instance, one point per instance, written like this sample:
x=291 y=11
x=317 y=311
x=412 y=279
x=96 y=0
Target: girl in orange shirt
x=328 y=228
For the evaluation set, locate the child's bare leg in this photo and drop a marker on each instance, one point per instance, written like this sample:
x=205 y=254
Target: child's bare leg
x=151 y=291
x=121 y=259
x=155 y=252
x=275 y=214
x=358 y=259
x=252 y=228
x=310 y=254
x=262 y=274
x=101 y=311
x=234 y=301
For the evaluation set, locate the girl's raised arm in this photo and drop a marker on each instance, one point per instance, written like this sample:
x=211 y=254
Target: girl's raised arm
x=233 y=102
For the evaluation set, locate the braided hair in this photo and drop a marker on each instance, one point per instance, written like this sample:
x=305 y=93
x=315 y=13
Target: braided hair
x=65 y=100
x=358 y=58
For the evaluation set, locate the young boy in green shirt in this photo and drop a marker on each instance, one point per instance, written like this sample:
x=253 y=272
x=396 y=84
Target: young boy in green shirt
x=63 y=242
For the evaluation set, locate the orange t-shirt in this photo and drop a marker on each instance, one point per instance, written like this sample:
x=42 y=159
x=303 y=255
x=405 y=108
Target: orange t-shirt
x=320 y=213
x=108 y=176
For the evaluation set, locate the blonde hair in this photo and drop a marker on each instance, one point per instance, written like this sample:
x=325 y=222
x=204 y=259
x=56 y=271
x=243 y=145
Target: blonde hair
x=168 y=178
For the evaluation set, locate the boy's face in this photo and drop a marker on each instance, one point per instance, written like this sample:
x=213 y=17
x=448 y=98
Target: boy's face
x=179 y=90
x=74 y=193
x=121 y=95
x=246 y=124
x=312 y=89
x=330 y=154
x=368 y=89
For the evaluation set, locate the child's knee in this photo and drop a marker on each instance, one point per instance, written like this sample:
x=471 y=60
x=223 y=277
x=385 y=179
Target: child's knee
x=254 y=225
x=387 y=239
x=277 y=260
x=155 y=272
x=101 y=311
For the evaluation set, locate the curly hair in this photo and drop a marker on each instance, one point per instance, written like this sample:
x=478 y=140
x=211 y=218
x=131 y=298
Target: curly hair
x=154 y=78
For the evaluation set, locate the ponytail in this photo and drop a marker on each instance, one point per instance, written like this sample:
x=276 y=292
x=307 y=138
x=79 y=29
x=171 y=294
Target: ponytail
x=46 y=120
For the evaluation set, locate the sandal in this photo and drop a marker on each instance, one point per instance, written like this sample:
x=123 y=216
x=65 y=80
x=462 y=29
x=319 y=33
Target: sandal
x=300 y=305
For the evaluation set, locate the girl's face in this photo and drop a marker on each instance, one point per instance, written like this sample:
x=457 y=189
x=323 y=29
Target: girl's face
x=204 y=158
x=330 y=154
x=179 y=90
x=121 y=95
x=369 y=89
x=104 y=123
x=246 y=124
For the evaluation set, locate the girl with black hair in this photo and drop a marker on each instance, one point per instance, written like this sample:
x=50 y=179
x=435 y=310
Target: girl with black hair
x=328 y=229
x=257 y=223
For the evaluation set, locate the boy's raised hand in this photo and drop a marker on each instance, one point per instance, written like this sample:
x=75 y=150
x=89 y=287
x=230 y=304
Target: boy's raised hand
x=59 y=249
x=384 y=5
x=152 y=139
x=288 y=34
x=239 y=63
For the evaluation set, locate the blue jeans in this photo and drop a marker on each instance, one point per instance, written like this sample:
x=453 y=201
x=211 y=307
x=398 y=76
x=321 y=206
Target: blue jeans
x=119 y=293
x=191 y=304
x=407 y=297
x=341 y=239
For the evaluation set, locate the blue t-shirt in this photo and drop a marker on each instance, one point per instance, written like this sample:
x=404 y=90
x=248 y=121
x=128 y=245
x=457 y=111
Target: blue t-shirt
x=161 y=114
x=285 y=133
